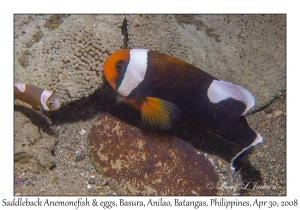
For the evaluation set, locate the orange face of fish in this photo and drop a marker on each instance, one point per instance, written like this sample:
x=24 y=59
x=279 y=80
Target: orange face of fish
x=115 y=66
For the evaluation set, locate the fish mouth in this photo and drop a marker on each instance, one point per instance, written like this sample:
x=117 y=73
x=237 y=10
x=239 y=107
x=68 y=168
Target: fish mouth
x=56 y=104
x=109 y=75
x=105 y=68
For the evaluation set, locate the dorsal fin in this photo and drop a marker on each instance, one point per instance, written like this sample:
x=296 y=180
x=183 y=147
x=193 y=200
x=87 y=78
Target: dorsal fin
x=220 y=90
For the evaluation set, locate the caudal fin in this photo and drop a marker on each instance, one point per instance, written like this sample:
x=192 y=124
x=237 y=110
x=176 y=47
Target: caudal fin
x=237 y=162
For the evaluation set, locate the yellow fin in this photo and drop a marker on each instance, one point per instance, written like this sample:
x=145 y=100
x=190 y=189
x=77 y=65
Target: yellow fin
x=159 y=113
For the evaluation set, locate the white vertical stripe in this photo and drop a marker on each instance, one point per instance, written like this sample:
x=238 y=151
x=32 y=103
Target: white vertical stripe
x=220 y=90
x=135 y=71
x=44 y=98
x=20 y=86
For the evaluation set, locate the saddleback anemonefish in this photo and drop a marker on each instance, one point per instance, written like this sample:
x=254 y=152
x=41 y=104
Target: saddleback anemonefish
x=38 y=98
x=166 y=89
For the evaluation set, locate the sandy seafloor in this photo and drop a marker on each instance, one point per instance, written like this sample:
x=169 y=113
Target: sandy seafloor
x=52 y=159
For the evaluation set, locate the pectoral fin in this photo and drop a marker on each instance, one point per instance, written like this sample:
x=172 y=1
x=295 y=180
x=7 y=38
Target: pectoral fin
x=159 y=113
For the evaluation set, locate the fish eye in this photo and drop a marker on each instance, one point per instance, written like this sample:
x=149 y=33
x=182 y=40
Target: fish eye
x=50 y=103
x=120 y=66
